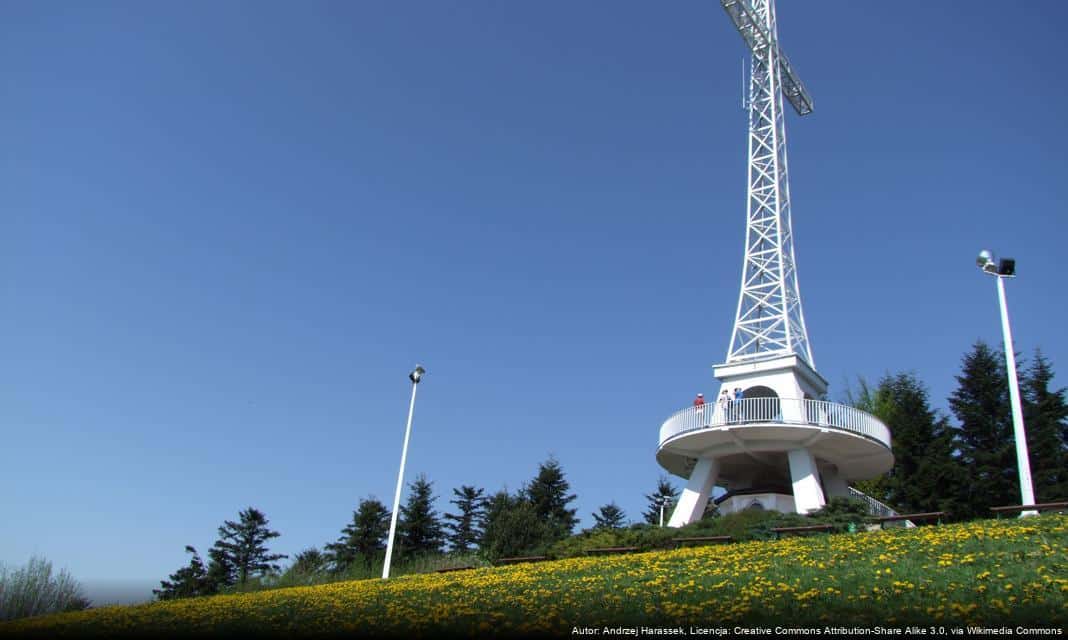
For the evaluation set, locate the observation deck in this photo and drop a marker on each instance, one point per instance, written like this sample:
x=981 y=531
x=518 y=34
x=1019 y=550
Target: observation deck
x=763 y=430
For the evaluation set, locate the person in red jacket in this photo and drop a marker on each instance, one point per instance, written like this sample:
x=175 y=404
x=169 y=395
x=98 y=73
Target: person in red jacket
x=699 y=405
x=699 y=401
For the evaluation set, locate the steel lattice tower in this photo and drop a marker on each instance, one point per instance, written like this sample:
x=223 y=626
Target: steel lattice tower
x=770 y=439
x=769 y=320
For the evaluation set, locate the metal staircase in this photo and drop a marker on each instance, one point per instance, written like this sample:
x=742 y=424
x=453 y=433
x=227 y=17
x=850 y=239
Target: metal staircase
x=875 y=507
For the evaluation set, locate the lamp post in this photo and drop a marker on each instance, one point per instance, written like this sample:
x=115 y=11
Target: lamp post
x=664 y=501
x=414 y=376
x=1006 y=268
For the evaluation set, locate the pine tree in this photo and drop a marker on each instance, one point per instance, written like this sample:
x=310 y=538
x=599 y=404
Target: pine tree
x=420 y=529
x=497 y=505
x=610 y=516
x=665 y=494
x=309 y=562
x=925 y=476
x=364 y=537
x=1046 y=423
x=242 y=546
x=187 y=582
x=221 y=571
x=548 y=492
x=984 y=437
x=464 y=527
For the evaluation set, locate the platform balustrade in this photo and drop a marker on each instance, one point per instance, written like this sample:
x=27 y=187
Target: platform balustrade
x=787 y=411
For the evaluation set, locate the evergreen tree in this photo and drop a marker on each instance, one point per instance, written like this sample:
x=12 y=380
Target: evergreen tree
x=221 y=571
x=870 y=401
x=420 y=529
x=187 y=582
x=464 y=527
x=309 y=562
x=610 y=516
x=364 y=537
x=548 y=493
x=865 y=398
x=984 y=438
x=497 y=505
x=242 y=546
x=925 y=476
x=512 y=527
x=665 y=494
x=309 y=567
x=1046 y=423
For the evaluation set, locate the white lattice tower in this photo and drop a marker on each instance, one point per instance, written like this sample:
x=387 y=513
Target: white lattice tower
x=770 y=440
x=769 y=320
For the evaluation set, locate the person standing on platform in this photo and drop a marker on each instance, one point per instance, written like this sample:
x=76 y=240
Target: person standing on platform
x=724 y=404
x=699 y=405
x=737 y=403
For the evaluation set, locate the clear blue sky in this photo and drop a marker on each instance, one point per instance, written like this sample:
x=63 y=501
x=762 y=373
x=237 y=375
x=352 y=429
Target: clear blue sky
x=228 y=231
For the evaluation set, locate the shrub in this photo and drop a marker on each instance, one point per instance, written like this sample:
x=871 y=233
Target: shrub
x=741 y=526
x=517 y=530
x=842 y=512
x=33 y=590
x=580 y=543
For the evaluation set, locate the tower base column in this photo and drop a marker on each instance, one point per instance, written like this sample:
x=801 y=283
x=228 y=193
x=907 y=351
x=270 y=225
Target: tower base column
x=808 y=496
x=835 y=486
x=694 y=498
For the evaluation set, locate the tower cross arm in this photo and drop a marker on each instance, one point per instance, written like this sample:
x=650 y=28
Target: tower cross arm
x=792 y=88
x=747 y=23
x=758 y=38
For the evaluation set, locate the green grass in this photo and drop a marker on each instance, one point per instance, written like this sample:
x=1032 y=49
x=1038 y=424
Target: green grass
x=746 y=525
x=991 y=573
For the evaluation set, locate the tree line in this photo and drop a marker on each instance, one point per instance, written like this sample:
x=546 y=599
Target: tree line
x=961 y=468
x=494 y=526
x=966 y=467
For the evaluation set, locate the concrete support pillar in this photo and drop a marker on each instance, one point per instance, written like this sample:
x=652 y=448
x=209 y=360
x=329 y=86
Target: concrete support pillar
x=808 y=496
x=834 y=484
x=694 y=498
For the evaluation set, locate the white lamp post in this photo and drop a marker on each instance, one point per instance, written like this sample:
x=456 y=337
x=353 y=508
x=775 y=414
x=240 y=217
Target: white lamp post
x=414 y=376
x=1006 y=268
x=664 y=501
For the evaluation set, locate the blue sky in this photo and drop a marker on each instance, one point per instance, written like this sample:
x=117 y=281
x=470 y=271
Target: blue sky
x=228 y=231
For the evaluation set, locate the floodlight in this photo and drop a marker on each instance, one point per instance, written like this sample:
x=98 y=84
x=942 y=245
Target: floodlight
x=416 y=373
x=985 y=258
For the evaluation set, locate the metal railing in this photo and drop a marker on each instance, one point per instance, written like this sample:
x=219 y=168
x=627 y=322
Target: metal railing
x=875 y=508
x=820 y=413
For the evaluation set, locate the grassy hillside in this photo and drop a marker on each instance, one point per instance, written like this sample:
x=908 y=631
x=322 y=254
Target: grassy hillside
x=988 y=572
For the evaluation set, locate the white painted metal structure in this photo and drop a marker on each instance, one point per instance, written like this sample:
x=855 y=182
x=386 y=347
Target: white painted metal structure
x=778 y=411
x=769 y=319
x=781 y=446
x=1023 y=464
x=415 y=376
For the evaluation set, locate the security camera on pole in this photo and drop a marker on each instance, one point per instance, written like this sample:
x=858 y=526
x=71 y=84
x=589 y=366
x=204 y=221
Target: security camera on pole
x=1006 y=268
x=414 y=376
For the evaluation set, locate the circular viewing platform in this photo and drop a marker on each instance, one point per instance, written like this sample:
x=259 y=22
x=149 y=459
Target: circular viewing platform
x=763 y=430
